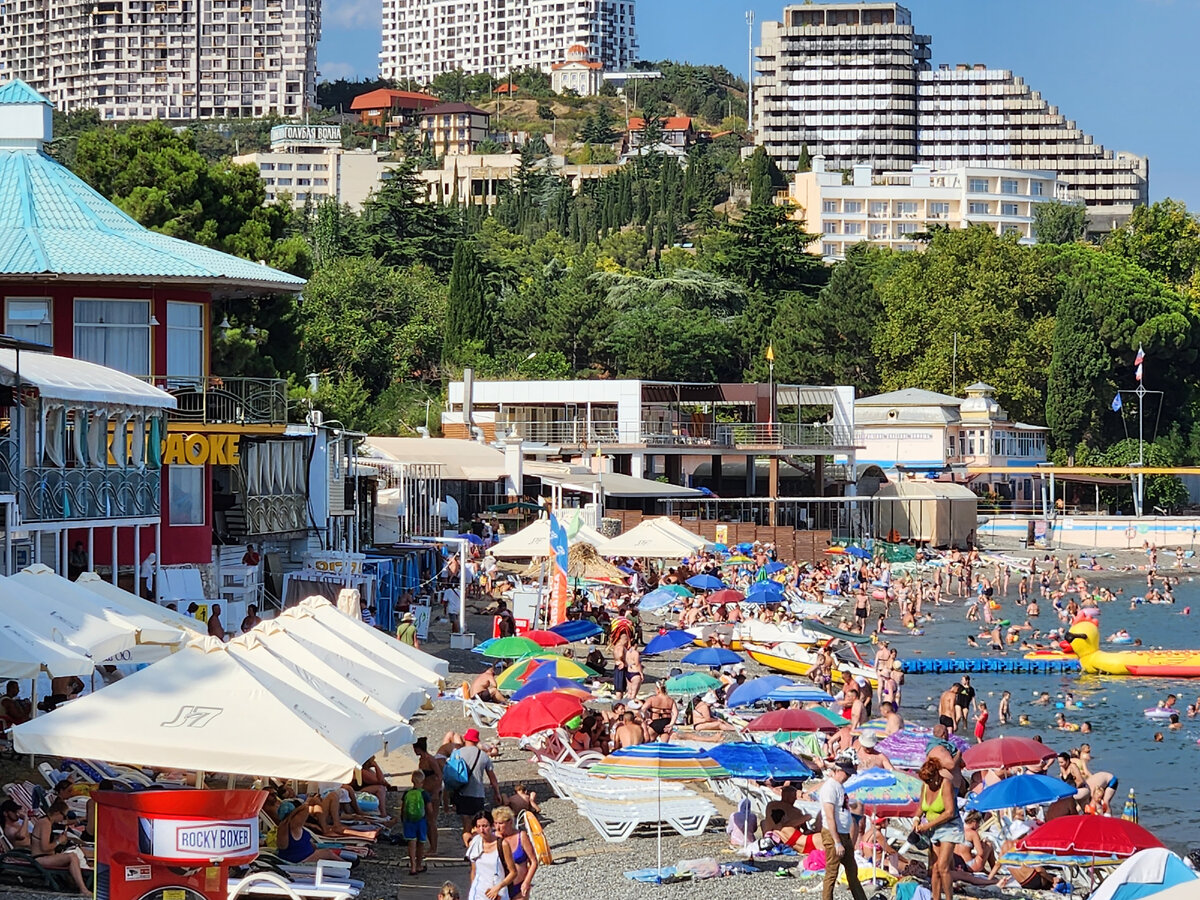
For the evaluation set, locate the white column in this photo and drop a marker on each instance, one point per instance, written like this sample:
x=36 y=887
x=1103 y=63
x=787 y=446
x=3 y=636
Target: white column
x=637 y=464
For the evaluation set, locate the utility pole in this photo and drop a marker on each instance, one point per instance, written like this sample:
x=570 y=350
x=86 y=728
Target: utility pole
x=750 y=71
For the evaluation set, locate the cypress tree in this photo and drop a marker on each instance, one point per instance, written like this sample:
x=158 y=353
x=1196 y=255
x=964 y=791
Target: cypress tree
x=467 y=313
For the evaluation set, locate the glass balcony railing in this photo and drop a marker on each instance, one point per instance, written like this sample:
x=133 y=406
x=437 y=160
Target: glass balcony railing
x=680 y=434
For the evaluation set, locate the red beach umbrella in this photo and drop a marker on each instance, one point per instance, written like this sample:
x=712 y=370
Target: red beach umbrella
x=545 y=638
x=791 y=720
x=1091 y=835
x=540 y=712
x=1005 y=752
x=725 y=595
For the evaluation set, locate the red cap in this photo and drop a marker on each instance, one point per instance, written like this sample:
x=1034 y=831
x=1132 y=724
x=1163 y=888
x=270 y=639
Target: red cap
x=472 y=735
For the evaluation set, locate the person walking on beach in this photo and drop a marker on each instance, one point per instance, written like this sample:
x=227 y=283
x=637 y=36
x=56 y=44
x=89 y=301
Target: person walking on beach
x=471 y=796
x=981 y=718
x=943 y=824
x=492 y=865
x=946 y=707
x=836 y=823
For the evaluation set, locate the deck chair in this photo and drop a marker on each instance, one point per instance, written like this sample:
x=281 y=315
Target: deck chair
x=18 y=867
x=482 y=713
x=272 y=884
x=569 y=782
x=615 y=820
x=556 y=747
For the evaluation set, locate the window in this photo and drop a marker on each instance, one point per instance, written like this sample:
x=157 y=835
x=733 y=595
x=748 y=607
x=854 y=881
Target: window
x=1011 y=229
x=852 y=207
x=185 y=495
x=185 y=340
x=114 y=333
x=829 y=206
x=977 y=185
x=939 y=210
x=879 y=208
x=854 y=228
x=906 y=208
x=879 y=230
x=977 y=209
x=1035 y=188
x=1008 y=209
x=828 y=249
x=1008 y=186
x=829 y=227
x=28 y=318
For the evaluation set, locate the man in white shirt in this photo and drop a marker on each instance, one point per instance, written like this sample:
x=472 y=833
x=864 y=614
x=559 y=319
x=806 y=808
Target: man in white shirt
x=836 y=825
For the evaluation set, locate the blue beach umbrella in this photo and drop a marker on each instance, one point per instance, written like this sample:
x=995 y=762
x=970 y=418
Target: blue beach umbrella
x=858 y=553
x=755 y=689
x=1020 y=790
x=579 y=630
x=657 y=599
x=670 y=640
x=765 y=593
x=472 y=538
x=772 y=568
x=803 y=693
x=870 y=778
x=760 y=762
x=706 y=582
x=480 y=648
x=714 y=657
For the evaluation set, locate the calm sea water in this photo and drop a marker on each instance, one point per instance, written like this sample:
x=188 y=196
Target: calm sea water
x=1166 y=776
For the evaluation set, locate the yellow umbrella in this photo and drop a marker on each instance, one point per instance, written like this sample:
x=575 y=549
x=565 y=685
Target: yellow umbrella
x=516 y=674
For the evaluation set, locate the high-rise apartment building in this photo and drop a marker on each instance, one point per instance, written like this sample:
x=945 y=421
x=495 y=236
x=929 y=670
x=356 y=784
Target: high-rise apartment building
x=853 y=82
x=423 y=38
x=165 y=59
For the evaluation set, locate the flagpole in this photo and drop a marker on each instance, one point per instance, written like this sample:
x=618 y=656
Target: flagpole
x=1141 y=395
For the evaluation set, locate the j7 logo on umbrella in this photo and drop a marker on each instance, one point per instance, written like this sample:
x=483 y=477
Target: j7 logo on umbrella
x=194 y=716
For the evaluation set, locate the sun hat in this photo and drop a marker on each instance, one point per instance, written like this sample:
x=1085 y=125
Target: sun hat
x=847 y=766
x=869 y=740
x=471 y=735
x=407 y=617
x=710 y=698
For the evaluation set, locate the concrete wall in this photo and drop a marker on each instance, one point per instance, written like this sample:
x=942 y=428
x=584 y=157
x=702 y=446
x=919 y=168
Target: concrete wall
x=1097 y=532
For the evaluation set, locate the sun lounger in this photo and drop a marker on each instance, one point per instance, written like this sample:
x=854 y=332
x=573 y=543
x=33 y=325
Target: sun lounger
x=615 y=820
x=482 y=713
x=272 y=884
x=569 y=781
x=555 y=746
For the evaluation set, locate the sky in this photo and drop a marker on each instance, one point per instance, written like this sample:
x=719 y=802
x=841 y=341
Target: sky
x=1124 y=70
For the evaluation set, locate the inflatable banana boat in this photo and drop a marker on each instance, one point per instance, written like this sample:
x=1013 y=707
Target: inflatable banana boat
x=1084 y=639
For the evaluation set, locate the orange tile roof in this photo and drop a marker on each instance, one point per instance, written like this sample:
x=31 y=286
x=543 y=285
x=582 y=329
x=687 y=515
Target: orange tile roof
x=578 y=62
x=509 y=88
x=385 y=97
x=673 y=123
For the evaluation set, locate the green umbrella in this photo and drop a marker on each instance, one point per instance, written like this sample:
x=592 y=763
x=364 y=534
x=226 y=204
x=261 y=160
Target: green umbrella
x=691 y=684
x=830 y=715
x=511 y=648
x=679 y=590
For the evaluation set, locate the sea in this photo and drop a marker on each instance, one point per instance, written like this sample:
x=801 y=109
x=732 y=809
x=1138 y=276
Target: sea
x=1165 y=776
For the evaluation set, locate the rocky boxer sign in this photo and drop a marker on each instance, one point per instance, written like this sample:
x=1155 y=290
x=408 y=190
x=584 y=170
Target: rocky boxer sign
x=197 y=839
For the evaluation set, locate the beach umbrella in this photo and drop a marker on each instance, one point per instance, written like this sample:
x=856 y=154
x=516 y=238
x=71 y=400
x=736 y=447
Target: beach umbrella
x=535 y=666
x=720 y=548
x=542 y=684
x=744 y=547
x=857 y=553
x=714 y=657
x=667 y=641
x=660 y=762
x=772 y=568
x=907 y=748
x=725 y=595
x=481 y=648
x=579 y=630
x=1147 y=874
x=737 y=560
x=541 y=712
x=832 y=717
x=511 y=648
x=760 y=762
x=1091 y=835
x=691 y=684
x=885 y=793
x=791 y=720
x=545 y=638
x=657 y=599
x=1005 y=753
x=874 y=777
x=678 y=590
x=755 y=689
x=1020 y=790
x=706 y=582
x=472 y=539
x=765 y=593
x=802 y=693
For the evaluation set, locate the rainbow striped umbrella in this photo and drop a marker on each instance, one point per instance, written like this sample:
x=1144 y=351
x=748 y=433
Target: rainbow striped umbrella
x=522 y=670
x=661 y=762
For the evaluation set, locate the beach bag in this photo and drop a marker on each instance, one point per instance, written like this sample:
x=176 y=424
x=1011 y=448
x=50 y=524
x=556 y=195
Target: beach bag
x=414 y=805
x=456 y=773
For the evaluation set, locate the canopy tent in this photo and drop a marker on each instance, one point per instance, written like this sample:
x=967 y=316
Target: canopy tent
x=155 y=639
x=203 y=708
x=672 y=527
x=389 y=652
x=124 y=601
x=394 y=692
x=64 y=623
x=25 y=654
x=651 y=539
x=933 y=512
x=533 y=541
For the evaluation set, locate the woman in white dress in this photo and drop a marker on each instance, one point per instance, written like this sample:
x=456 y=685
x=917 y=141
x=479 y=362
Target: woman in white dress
x=492 y=866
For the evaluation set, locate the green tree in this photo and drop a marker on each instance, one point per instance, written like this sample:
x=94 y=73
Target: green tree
x=765 y=250
x=804 y=163
x=1057 y=222
x=765 y=178
x=1078 y=370
x=399 y=228
x=1166 y=491
x=1164 y=239
x=467 y=313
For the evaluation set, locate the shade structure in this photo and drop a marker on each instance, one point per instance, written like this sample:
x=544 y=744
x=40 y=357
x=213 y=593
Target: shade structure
x=668 y=641
x=706 y=582
x=480 y=649
x=64 y=623
x=579 y=630
x=760 y=762
x=1005 y=752
x=1020 y=790
x=749 y=692
x=125 y=600
x=511 y=648
x=522 y=670
x=765 y=593
x=1091 y=835
x=533 y=541
x=857 y=552
x=202 y=708
x=885 y=796
x=791 y=720
x=153 y=638
x=714 y=657
x=691 y=684
x=25 y=653
x=834 y=718
x=546 y=683
x=652 y=539
x=679 y=590
x=657 y=599
x=393 y=690
x=773 y=568
x=545 y=638
x=538 y=713
x=801 y=693
x=1147 y=874
x=725 y=596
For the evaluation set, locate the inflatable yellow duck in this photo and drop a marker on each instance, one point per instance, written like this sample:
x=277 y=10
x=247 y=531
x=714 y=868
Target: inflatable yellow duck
x=1084 y=638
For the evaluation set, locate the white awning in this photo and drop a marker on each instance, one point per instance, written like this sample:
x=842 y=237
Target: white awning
x=651 y=539
x=76 y=381
x=460 y=460
x=533 y=541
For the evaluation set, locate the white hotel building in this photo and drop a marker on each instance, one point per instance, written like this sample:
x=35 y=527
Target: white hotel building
x=424 y=38
x=890 y=208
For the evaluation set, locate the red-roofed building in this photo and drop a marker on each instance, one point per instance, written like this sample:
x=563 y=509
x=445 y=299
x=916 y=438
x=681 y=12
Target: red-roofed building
x=677 y=131
x=508 y=88
x=579 y=73
x=388 y=108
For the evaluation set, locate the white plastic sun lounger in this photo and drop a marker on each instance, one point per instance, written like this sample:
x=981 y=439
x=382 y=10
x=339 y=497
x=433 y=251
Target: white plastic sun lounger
x=615 y=820
x=323 y=885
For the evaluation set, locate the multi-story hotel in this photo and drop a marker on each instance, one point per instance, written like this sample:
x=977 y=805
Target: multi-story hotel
x=853 y=82
x=423 y=38
x=165 y=59
x=892 y=207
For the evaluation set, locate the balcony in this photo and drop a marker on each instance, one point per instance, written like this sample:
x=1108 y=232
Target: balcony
x=214 y=400
x=720 y=435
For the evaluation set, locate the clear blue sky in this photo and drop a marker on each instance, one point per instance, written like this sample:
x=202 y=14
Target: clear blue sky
x=1124 y=70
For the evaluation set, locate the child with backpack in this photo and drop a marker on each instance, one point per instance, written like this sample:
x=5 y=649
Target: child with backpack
x=415 y=806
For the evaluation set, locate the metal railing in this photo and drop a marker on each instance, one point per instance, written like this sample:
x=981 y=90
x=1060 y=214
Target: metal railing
x=213 y=399
x=681 y=434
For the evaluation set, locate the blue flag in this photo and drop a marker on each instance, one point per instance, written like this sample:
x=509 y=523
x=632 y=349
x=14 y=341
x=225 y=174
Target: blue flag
x=1117 y=404
x=558 y=542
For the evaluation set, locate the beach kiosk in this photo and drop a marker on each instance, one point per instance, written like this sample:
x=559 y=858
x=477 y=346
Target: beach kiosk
x=173 y=844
